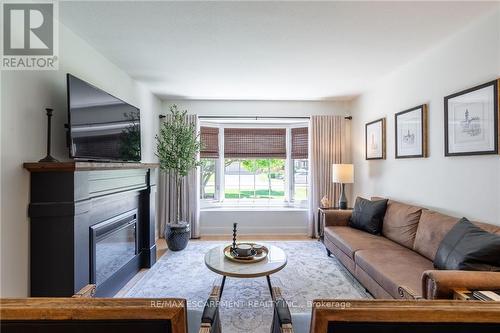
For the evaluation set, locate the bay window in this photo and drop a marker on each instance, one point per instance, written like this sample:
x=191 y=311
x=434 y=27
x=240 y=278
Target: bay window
x=252 y=167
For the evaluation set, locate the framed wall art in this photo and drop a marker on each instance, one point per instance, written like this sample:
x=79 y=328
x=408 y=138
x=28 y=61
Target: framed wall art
x=411 y=132
x=471 y=121
x=375 y=140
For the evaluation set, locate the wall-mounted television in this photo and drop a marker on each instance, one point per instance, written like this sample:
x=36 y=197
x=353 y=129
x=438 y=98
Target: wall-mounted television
x=101 y=126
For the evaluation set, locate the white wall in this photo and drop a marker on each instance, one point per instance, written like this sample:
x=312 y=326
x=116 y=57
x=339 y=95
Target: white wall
x=460 y=186
x=24 y=95
x=255 y=222
x=261 y=108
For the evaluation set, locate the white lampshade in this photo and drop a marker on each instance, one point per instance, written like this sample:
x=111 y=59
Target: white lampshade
x=343 y=173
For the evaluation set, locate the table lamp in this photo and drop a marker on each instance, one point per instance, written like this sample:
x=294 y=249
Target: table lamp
x=343 y=174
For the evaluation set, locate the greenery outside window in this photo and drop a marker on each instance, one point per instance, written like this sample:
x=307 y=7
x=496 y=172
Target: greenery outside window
x=248 y=180
x=208 y=178
x=245 y=177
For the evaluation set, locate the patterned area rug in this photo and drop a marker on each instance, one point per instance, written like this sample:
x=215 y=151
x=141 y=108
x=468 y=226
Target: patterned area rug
x=246 y=304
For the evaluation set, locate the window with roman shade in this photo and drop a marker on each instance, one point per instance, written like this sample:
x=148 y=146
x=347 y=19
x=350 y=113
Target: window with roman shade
x=255 y=143
x=299 y=143
x=209 y=137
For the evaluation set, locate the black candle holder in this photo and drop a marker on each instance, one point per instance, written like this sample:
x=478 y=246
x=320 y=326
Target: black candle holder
x=235 y=225
x=48 y=158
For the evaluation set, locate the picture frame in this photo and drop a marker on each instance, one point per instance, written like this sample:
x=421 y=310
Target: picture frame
x=411 y=139
x=375 y=140
x=471 y=120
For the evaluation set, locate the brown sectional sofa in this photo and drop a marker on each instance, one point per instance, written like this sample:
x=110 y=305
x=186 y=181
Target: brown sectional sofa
x=401 y=259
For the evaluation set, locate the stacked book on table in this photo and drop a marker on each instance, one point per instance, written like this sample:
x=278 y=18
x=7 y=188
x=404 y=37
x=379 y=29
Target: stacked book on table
x=483 y=295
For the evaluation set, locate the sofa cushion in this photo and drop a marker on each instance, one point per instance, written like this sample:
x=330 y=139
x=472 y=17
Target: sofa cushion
x=393 y=268
x=368 y=215
x=431 y=230
x=401 y=222
x=434 y=226
x=346 y=260
x=371 y=285
x=350 y=240
x=494 y=229
x=468 y=247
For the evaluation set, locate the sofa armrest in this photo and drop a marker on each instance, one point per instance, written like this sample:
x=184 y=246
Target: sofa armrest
x=408 y=293
x=439 y=284
x=337 y=217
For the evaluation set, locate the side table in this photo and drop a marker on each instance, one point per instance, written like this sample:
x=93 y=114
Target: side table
x=468 y=295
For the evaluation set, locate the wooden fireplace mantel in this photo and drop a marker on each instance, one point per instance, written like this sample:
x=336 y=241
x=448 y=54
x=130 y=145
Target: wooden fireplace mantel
x=84 y=166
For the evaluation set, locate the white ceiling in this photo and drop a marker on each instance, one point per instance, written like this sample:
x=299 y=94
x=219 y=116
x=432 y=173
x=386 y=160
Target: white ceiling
x=264 y=50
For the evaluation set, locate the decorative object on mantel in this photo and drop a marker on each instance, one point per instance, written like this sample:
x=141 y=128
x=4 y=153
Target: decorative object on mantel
x=472 y=119
x=375 y=140
x=411 y=132
x=48 y=158
x=325 y=202
x=177 y=150
x=343 y=174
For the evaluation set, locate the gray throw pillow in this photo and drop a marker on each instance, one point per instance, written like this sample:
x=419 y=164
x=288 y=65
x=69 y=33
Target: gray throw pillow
x=368 y=215
x=468 y=247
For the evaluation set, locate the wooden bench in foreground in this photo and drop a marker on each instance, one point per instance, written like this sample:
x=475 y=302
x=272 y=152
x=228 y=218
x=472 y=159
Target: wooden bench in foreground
x=84 y=314
x=388 y=316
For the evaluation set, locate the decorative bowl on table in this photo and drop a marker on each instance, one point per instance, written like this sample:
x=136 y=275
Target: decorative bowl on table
x=252 y=252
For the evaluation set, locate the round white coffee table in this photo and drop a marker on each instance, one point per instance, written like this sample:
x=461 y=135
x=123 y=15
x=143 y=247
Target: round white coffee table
x=218 y=263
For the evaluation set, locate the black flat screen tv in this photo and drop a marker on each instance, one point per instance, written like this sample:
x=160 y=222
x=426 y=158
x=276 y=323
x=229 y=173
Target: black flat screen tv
x=101 y=126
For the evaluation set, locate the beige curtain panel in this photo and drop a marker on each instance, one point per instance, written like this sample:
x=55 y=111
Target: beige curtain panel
x=190 y=190
x=329 y=145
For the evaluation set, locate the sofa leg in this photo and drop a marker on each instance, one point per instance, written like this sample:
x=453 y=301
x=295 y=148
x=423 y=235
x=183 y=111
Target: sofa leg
x=328 y=253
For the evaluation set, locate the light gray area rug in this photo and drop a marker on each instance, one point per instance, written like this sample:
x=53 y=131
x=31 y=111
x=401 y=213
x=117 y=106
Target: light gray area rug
x=246 y=303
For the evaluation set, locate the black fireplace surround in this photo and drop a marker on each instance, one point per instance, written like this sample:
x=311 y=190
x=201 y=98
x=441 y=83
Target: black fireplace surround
x=90 y=223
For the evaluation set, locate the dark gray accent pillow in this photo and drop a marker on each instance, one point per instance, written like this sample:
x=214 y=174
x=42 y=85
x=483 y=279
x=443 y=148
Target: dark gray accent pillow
x=368 y=215
x=468 y=247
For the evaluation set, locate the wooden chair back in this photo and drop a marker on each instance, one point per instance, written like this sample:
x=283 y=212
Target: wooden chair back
x=96 y=315
x=377 y=316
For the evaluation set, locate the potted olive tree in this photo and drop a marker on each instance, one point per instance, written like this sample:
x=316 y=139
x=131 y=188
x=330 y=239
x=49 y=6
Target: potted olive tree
x=177 y=150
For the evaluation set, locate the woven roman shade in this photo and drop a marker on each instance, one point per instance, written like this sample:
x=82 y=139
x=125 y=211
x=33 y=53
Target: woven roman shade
x=300 y=143
x=209 y=137
x=255 y=143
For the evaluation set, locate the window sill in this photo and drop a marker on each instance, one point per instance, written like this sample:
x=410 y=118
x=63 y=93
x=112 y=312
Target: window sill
x=253 y=209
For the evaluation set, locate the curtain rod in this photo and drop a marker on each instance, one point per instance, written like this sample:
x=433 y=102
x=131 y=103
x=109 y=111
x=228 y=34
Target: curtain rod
x=250 y=117
x=256 y=118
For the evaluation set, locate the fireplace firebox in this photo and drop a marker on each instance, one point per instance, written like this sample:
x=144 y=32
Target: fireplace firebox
x=113 y=244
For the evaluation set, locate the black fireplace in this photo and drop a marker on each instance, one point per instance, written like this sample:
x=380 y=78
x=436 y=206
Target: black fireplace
x=113 y=244
x=90 y=223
